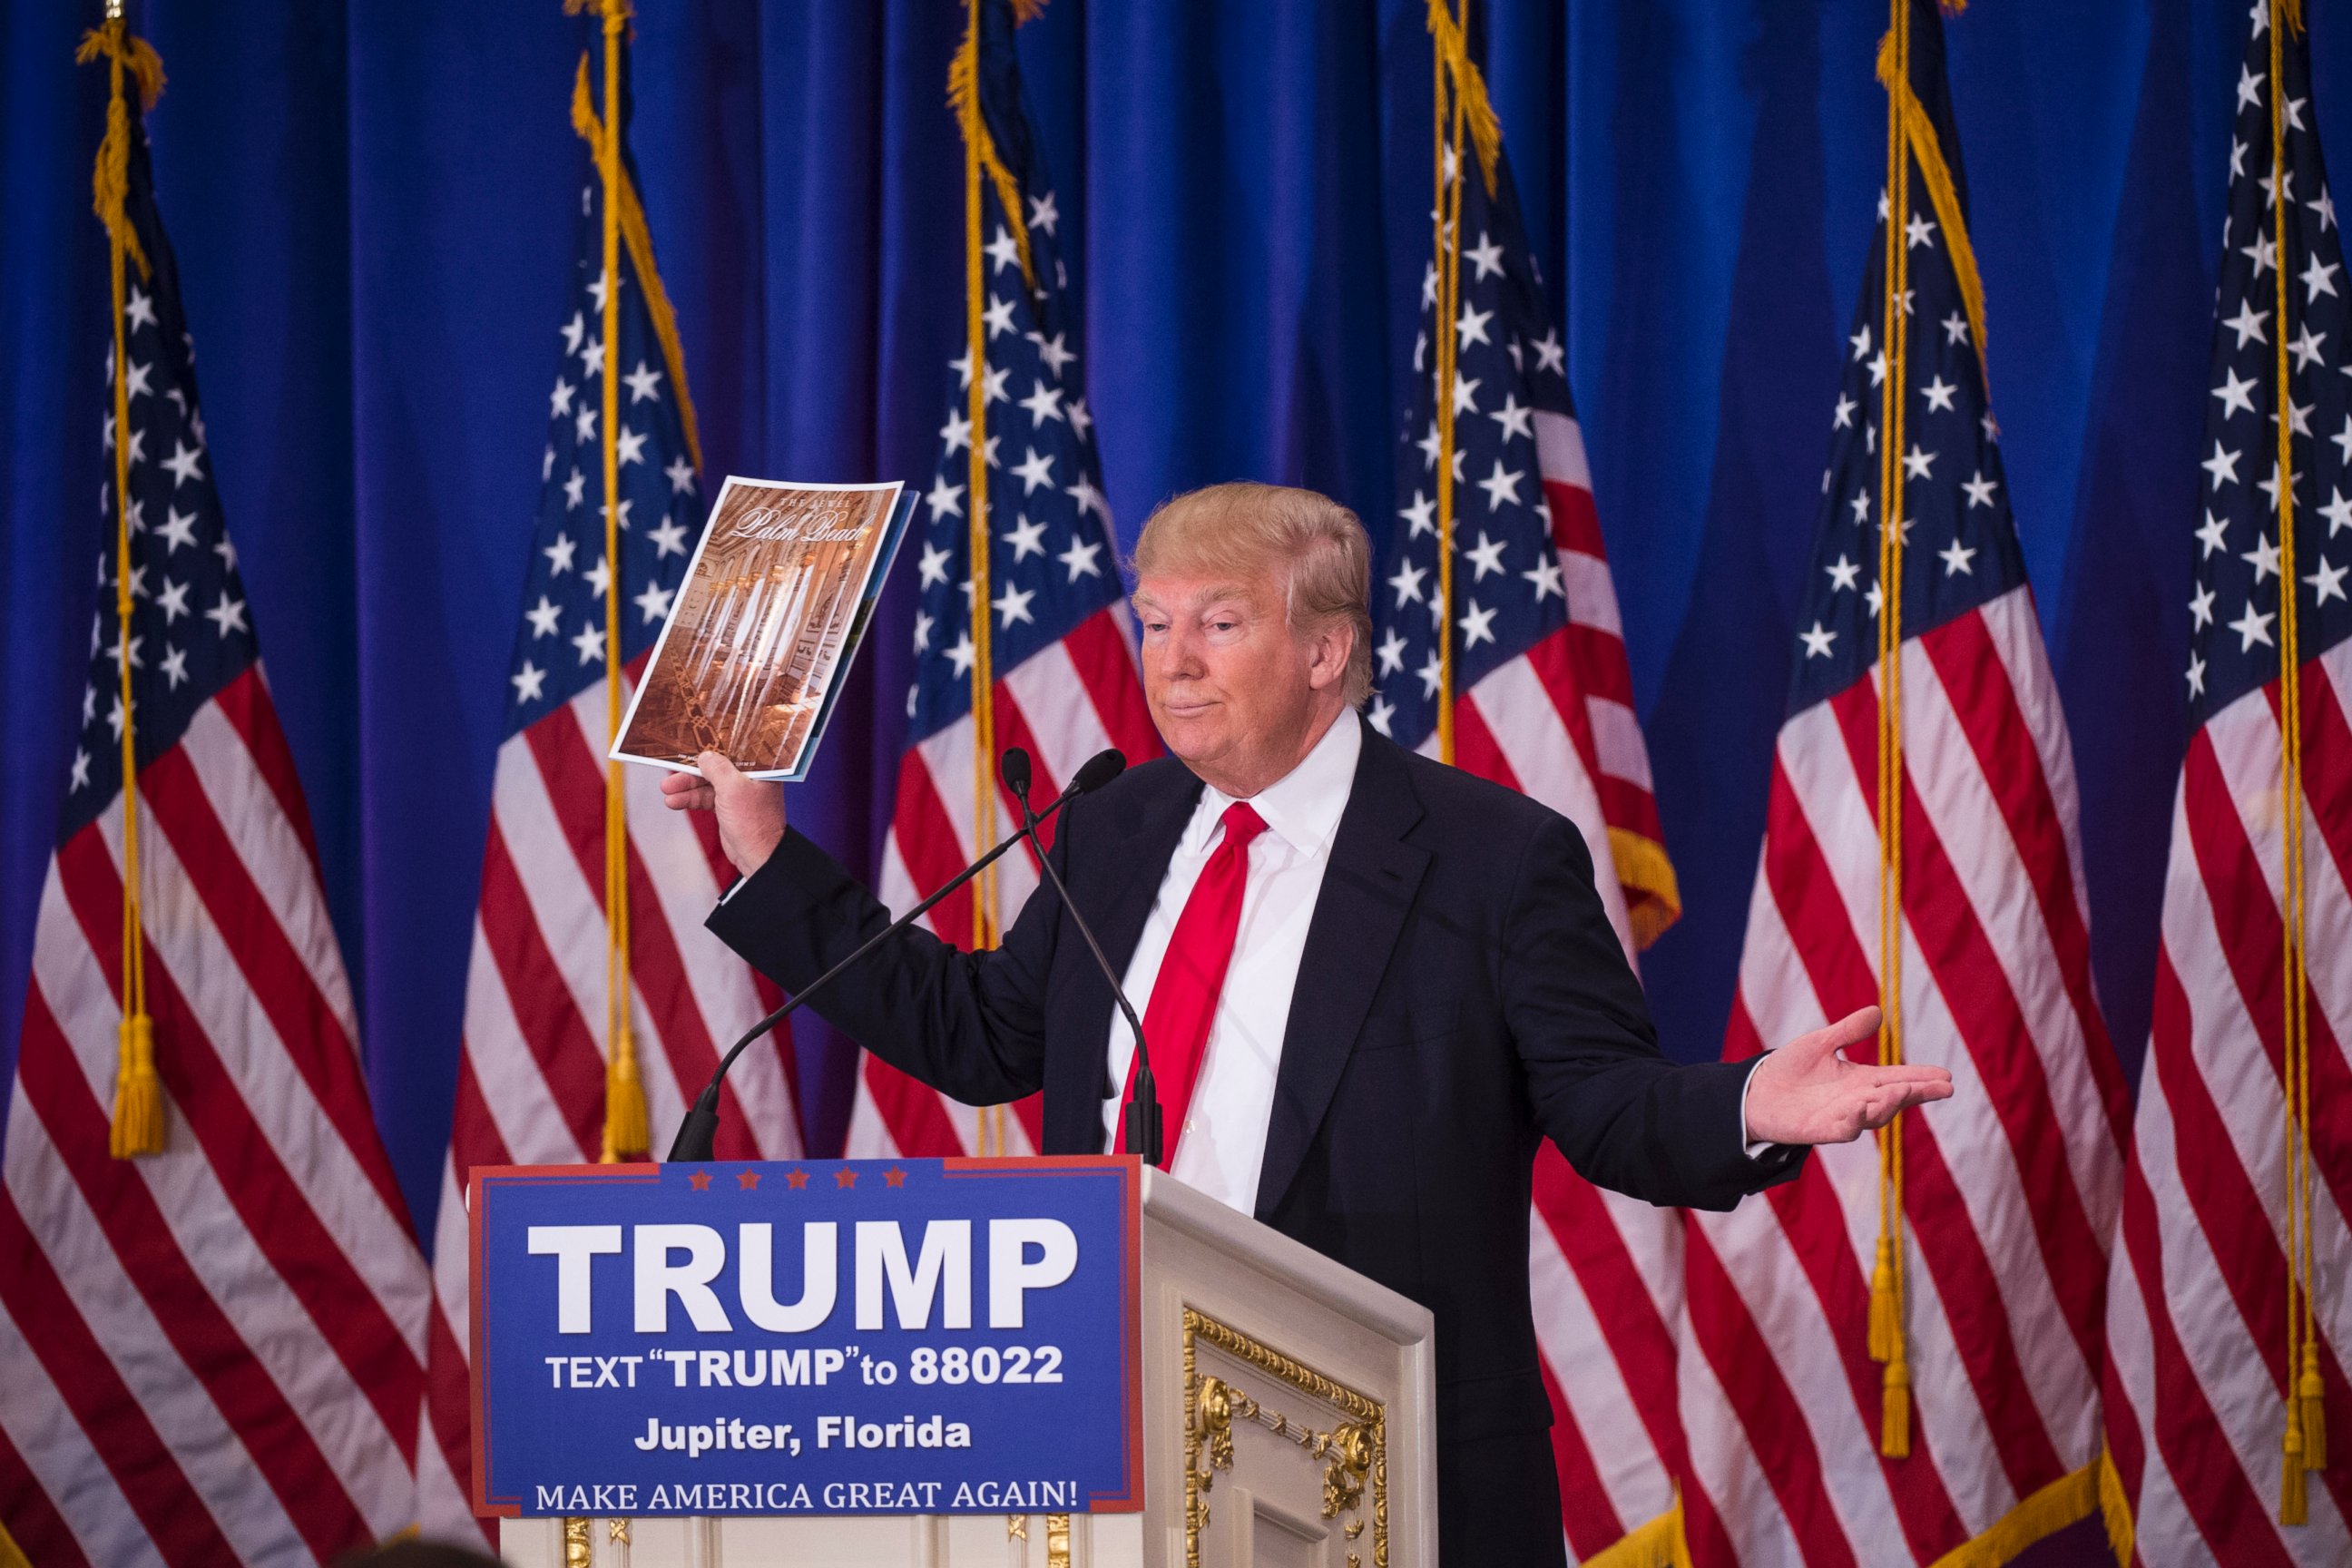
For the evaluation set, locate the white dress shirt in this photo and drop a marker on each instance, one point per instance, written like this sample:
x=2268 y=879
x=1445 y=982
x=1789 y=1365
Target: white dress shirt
x=1222 y=1140
x=1223 y=1134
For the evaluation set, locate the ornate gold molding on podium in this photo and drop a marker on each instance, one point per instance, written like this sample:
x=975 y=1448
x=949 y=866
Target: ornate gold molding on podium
x=1355 y=1450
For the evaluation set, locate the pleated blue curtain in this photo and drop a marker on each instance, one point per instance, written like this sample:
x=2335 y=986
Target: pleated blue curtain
x=372 y=207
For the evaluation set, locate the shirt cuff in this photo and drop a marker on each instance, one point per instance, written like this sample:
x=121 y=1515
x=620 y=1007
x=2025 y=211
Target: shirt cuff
x=1754 y=1147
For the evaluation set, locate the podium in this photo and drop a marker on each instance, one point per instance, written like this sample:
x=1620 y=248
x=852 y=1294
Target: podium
x=1287 y=1413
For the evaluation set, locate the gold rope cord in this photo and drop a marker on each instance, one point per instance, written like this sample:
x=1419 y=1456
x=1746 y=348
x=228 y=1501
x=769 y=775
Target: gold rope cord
x=1886 y=1336
x=137 y=1126
x=2305 y=1442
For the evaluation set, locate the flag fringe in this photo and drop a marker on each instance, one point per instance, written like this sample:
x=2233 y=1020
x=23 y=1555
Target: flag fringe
x=11 y=1554
x=1478 y=110
x=639 y=240
x=2115 y=1508
x=1919 y=134
x=1658 y=1543
x=1653 y=897
x=963 y=96
x=2071 y=1498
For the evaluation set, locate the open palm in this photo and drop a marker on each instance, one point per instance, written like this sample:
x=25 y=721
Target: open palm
x=1807 y=1092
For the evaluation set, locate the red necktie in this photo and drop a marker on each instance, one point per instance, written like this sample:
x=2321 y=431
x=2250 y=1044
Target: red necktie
x=1184 y=997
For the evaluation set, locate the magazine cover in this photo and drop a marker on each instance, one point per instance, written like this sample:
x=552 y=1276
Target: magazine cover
x=775 y=604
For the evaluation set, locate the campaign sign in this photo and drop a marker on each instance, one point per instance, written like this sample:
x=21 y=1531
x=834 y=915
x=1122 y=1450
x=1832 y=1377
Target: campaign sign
x=851 y=1336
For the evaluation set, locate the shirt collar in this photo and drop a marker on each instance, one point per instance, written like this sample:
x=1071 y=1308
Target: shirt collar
x=1303 y=807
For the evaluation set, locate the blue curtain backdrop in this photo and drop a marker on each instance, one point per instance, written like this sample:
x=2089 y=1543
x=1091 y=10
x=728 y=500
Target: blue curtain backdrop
x=372 y=207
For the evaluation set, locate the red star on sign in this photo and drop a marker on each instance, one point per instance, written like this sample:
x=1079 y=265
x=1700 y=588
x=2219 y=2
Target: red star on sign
x=796 y=1180
x=845 y=1178
x=746 y=1180
x=699 y=1180
x=893 y=1177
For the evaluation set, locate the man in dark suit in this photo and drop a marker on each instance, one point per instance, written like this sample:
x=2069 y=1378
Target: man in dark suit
x=1374 y=983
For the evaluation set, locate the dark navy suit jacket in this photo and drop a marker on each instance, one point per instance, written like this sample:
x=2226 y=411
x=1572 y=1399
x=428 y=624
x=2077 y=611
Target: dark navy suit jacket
x=1460 y=995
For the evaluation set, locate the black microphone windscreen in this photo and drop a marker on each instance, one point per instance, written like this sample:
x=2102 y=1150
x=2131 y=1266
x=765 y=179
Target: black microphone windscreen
x=1098 y=769
x=1013 y=768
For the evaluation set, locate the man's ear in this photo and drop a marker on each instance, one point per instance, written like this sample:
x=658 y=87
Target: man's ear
x=1326 y=661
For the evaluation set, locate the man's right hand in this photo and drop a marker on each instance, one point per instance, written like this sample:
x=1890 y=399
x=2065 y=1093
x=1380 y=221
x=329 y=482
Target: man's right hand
x=751 y=811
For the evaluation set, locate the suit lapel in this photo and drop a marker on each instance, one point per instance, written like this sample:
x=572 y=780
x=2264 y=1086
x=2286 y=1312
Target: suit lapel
x=1126 y=851
x=1367 y=889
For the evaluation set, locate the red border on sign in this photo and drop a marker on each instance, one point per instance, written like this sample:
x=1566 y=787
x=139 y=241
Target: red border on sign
x=1127 y=1167
x=535 y=1175
x=1131 y=1287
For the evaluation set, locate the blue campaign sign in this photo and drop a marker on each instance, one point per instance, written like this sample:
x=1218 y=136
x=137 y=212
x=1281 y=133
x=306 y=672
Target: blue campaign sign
x=851 y=1336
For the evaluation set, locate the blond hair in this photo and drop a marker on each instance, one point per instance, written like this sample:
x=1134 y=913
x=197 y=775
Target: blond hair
x=1241 y=529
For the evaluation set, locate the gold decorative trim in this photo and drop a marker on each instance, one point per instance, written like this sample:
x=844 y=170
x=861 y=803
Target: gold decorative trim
x=579 y=1547
x=1058 y=1540
x=1356 y=1448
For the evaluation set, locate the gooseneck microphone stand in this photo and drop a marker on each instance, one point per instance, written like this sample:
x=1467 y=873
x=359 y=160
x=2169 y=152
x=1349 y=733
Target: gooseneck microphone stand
x=698 y=1128
x=1141 y=1112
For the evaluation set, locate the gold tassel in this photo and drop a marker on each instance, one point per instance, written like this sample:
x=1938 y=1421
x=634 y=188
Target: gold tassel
x=138 y=1126
x=1885 y=1323
x=2295 y=1506
x=626 y=1133
x=2115 y=1510
x=2314 y=1400
x=1894 y=1436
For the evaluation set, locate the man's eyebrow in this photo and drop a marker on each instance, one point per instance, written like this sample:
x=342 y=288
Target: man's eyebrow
x=1233 y=593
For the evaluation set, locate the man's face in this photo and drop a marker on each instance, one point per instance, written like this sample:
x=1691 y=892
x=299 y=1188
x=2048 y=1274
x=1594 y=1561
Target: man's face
x=1232 y=687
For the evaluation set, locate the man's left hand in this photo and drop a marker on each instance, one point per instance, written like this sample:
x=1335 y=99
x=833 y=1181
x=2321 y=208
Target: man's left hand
x=1807 y=1092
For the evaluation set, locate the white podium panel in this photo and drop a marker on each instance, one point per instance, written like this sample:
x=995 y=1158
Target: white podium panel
x=1289 y=1410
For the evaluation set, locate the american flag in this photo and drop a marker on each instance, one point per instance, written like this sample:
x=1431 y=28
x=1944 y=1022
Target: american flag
x=530 y=1086
x=212 y=1353
x=1544 y=706
x=1065 y=683
x=2009 y=1189
x=2198 y=1368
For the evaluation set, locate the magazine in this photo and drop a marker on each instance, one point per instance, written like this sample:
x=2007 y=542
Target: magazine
x=759 y=638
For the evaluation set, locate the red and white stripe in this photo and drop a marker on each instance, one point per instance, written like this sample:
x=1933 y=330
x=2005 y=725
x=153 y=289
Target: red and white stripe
x=1557 y=723
x=530 y=1085
x=1063 y=704
x=2011 y=1187
x=215 y=1353
x=2197 y=1370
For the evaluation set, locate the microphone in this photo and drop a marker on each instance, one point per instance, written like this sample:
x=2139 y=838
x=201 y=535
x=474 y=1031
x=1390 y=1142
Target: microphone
x=698 y=1128
x=1142 y=1110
